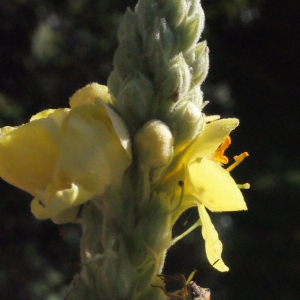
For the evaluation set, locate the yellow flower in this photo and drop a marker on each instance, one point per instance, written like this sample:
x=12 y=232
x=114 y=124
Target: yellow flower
x=210 y=185
x=64 y=157
x=207 y=184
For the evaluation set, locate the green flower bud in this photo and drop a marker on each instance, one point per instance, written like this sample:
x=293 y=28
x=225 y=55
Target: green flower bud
x=197 y=59
x=195 y=10
x=195 y=96
x=114 y=83
x=175 y=81
x=129 y=59
x=128 y=29
x=160 y=46
x=186 y=123
x=173 y=11
x=190 y=29
x=134 y=99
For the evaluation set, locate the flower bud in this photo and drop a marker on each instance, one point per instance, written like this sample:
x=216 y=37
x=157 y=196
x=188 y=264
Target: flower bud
x=128 y=29
x=186 y=123
x=189 y=30
x=195 y=96
x=134 y=99
x=175 y=81
x=197 y=59
x=129 y=59
x=173 y=11
x=154 y=143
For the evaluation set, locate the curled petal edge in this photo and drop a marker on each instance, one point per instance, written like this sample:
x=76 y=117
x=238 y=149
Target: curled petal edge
x=58 y=201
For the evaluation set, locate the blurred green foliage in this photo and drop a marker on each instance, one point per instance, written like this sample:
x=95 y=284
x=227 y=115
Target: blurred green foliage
x=51 y=48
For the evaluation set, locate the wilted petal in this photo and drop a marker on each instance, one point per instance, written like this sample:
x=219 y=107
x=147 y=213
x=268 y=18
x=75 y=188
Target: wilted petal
x=214 y=187
x=213 y=245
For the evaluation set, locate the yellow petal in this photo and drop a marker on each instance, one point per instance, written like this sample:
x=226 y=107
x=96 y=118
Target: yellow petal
x=118 y=126
x=210 y=139
x=54 y=202
x=214 y=187
x=91 y=153
x=88 y=94
x=91 y=159
x=42 y=114
x=213 y=245
x=28 y=153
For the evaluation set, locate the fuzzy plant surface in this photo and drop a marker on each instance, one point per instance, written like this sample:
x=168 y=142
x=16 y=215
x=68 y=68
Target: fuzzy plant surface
x=127 y=159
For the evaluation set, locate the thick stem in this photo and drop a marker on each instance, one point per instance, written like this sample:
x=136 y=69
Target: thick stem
x=121 y=253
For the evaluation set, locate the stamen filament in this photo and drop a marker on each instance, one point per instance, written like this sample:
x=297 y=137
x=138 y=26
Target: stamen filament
x=245 y=186
x=191 y=277
x=197 y=224
x=238 y=159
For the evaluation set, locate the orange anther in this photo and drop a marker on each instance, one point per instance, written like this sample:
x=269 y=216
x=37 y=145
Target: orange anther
x=219 y=153
x=238 y=159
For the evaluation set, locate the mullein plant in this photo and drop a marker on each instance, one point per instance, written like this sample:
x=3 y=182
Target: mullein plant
x=128 y=159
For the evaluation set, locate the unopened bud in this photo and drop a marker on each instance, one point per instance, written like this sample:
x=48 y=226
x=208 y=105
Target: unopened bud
x=195 y=96
x=197 y=59
x=154 y=143
x=129 y=59
x=174 y=82
x=189 y=31
x=134 y=99
x=186 y=123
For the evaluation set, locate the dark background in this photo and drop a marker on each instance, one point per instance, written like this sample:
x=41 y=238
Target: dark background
x=49 y=49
